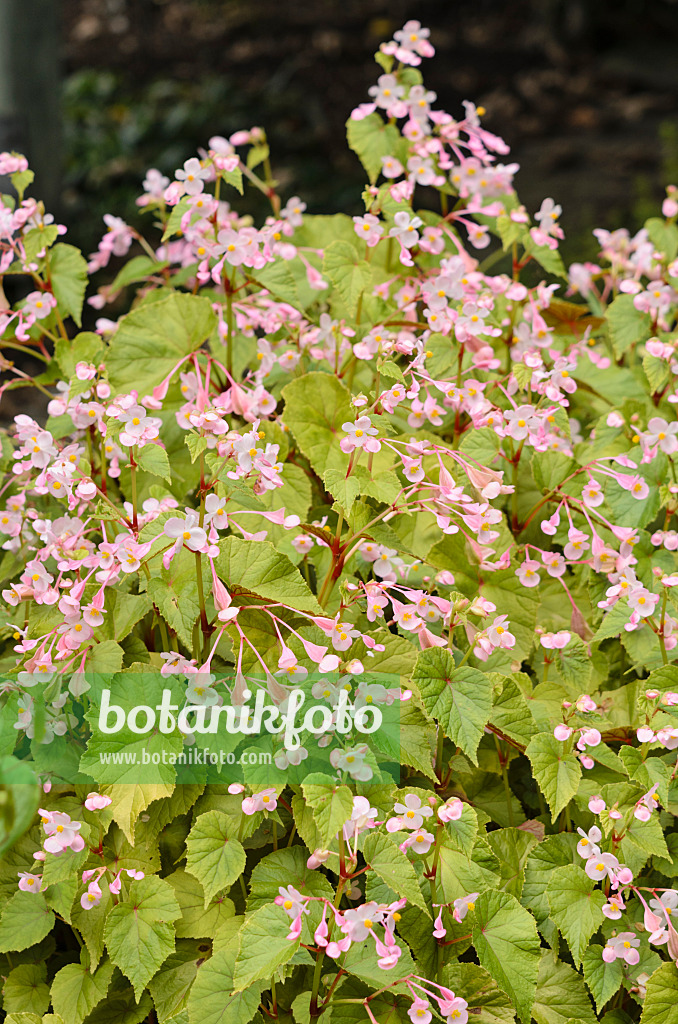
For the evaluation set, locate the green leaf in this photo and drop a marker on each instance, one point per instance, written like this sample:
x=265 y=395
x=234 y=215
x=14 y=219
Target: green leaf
x=642 y=839
x=153 y=459
x=459 y=699
x=290 y=864
x=20 y=796
x=648 y=771
x=511 y=712
x=414 y=740
x=90 y=924
x=214 y=859
x=105 y=658
x=196 y=444
x=128 y=745
x=576 y=907
x=263 y=946
x=461 y=834
x=574 y=663
x=522 y=604
x=175 y=594
x=279 y=280
x=77 y=989
x=390 y=369
x=507 y=944
x=21 y=180
x=371 y=139
x=85 y=347
x=661 y=1001
x=212 y=999
x=549 y=259
x=68 y=273
x=37 y=239
x=603 y=979
x=25 y=990
x=557 y=773
x=26 y=919
x=255 y=567
x=348 y=273
x=154 y=337
x=627 y=324
x=657 y=372
x=234 y=178
x=481 y=992
x=139 y=268
x=316 y=405
x=613 y=622
x=664 y=236
x=480 y=445
x=196 y=921
x=257 y=154
x=175 y=218
x=511 y=847
x=330 y=802
x=139 y=932
x=560 y=994
x=130 y=800
x=170 y=986
x=121 y=1008
x=392 y=866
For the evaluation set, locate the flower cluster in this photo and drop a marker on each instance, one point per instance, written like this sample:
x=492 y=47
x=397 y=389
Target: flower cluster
x=339 y=567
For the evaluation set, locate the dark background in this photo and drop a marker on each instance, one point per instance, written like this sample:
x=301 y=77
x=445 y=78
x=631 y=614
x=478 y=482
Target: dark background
x=584 y=91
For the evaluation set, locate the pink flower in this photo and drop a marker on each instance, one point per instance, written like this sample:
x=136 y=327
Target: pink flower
x=555 y=641
x=647 y=804
x=405 y=229
x=358 y=923
x=562 y=732
x=622 y=947
x=419 y=1012
x=186 y=531
x=264 y=801
x=61 y=832
x=587 y=845
x=451 y=810
x=97 y=801
x=369 y=229
x=292 y=902
x=597 y=804
x=420 y=841
x=463 y=905
x=498 y=633
x=91 y=898
x=456 y=1011
x=528 y=573
x=593 y=494
x=360 y=434
x=614 y=907
x=411 y=812
x=193 y=176
x=29 y=882
x=39 y=305
x=588 y=738
x=601 y=865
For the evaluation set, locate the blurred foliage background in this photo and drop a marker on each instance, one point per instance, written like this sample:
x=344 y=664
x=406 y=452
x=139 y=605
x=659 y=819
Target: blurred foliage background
x=584 y=91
